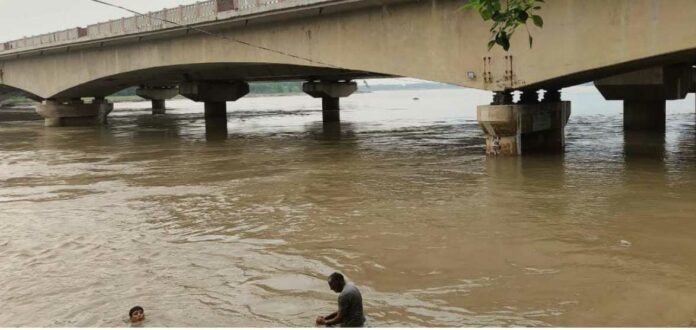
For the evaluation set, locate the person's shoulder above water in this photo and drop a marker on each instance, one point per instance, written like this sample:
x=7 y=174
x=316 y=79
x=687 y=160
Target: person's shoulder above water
x=350 y=290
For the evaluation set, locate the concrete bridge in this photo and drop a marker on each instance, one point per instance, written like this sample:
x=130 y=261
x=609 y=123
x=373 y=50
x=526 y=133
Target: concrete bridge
x=639 y=51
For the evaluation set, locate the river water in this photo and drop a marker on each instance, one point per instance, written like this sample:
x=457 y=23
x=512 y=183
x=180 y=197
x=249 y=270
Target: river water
x=243 y=231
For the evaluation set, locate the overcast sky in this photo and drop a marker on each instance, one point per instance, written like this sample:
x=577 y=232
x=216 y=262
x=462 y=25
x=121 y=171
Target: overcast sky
x=19 y=18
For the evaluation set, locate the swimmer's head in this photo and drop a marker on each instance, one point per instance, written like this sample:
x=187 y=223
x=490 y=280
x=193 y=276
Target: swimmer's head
x=136 y=314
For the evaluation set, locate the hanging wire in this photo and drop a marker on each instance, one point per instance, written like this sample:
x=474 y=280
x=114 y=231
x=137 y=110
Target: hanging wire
x=217 y=35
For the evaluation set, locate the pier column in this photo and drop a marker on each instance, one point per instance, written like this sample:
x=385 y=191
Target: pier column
x=330 y=92
x=61 y=113
x=215 y=95
x=517 y=129
x=215 y=110
x=645 y=93
x=157 y=95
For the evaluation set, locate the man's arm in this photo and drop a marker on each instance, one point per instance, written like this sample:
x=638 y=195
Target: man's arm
x=333 y=319
x=321 y=320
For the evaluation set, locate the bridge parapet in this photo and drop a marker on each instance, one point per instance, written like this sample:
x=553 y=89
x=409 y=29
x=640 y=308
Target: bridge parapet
x=200 y=12
x=163 y=19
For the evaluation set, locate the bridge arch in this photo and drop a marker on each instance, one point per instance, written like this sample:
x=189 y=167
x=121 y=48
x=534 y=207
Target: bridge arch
x=221 y=71
x=9 y=91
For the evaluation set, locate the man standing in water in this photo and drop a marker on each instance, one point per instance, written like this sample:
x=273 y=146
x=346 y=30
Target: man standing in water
x=350 y=307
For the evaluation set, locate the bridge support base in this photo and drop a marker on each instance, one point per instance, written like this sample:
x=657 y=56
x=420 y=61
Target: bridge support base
x=517 y=129
x=330 y=93
x=157 y=95
x=74 y=112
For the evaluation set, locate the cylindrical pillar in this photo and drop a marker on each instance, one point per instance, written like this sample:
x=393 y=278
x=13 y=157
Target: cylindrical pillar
x=215 y=130
x=159 y=107
x=331 y=109
x=215 y=109
x=644 y=115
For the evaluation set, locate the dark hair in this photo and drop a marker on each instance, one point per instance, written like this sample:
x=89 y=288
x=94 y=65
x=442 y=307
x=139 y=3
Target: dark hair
x=337 y=277
x=134 y=309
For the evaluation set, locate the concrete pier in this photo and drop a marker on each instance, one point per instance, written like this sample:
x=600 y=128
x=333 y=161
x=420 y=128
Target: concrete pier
x=644 y=115
x=645 y=93
x=331 y=109
x=74 y=112
x=517 y=129
x=159 y=107
x=157 y=95
x=330 y=93
x=215 y=94
x=216 y=130
x=215 y=110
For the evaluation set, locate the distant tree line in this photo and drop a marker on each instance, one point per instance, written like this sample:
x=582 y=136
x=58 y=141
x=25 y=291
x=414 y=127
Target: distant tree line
x=256 y=88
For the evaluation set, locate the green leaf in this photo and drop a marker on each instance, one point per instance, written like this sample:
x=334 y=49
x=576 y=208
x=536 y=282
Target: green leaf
x=505 y=43
x=486 y=15
x=498 y=17
x=491 y=44
x=538 y=21
x=507 y=20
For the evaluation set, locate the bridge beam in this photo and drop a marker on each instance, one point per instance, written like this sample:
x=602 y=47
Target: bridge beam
x=517 y=129
x=215 y=95
x=157 y=95
x=645 y=93
x=330 y=92
x=74 y=112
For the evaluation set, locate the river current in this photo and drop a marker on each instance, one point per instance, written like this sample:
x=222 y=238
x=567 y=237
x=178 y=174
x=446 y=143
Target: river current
x=207 y=231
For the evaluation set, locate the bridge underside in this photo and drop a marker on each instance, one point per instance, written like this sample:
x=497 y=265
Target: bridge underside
x=430 y=40
x=7 y=92
x=243 y=72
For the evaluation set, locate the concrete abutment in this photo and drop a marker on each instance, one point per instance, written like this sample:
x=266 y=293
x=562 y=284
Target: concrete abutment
x=330 y=93
x=74 y=112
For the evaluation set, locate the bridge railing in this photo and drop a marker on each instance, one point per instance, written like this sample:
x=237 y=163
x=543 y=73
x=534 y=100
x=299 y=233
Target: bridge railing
x=44 y=39
x=167 y=18
x=163 y=19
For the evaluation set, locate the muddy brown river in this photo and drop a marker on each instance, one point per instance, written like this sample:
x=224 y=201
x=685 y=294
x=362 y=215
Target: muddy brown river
x=205 y=231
